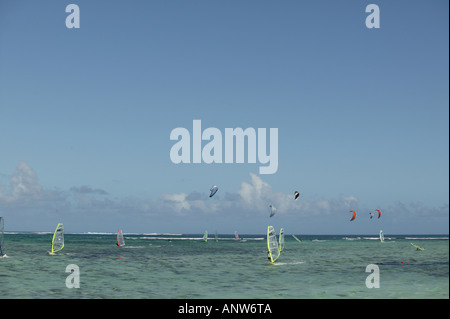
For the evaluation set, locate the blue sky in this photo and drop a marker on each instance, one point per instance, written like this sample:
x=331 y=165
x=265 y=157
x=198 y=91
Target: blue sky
x=362 y=115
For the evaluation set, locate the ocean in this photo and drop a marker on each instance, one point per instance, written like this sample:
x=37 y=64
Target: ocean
x=180 y=266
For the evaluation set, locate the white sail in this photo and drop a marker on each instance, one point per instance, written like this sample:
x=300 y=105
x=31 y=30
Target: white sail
x=58 y=238
x=272 y=244
x=120 y=240
x=281 y=240
x=381 y=236
x=205 y=236
x=2 y=250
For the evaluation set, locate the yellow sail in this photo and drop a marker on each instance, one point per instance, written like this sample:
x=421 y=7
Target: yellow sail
x=58 y=238
x=272 y=244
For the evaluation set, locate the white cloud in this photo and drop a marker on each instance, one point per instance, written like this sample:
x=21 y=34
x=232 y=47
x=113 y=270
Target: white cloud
x=253 y=198
x=23 y=196
x=317 y=207
x=85 y=189
x=255 y=195
x=176 y=202
x=24 y=185
x=24 y=189
x=183 y=203
x=417 y=209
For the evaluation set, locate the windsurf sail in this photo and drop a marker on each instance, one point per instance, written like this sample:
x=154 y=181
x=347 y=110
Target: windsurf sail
x=58 y=238
x=215 y=236
x=281 y=240
x=296 y=195
x=213 y=190
x=205 y=236
x=417 y=247
x=299 y=240
x=236 y=235
x=120 y=240
x=2 y=223
x=354 y=215
x=272 y=244
x=381 y=236
x=272 y=210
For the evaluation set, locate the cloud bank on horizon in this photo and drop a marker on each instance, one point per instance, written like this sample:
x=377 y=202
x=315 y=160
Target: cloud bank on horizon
x=28 y=205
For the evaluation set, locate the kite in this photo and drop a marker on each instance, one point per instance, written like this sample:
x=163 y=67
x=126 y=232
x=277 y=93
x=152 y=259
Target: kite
x=272 y=210
x=213 y=190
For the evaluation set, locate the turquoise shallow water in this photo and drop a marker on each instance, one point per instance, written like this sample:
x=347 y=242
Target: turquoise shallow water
x=181 y=266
